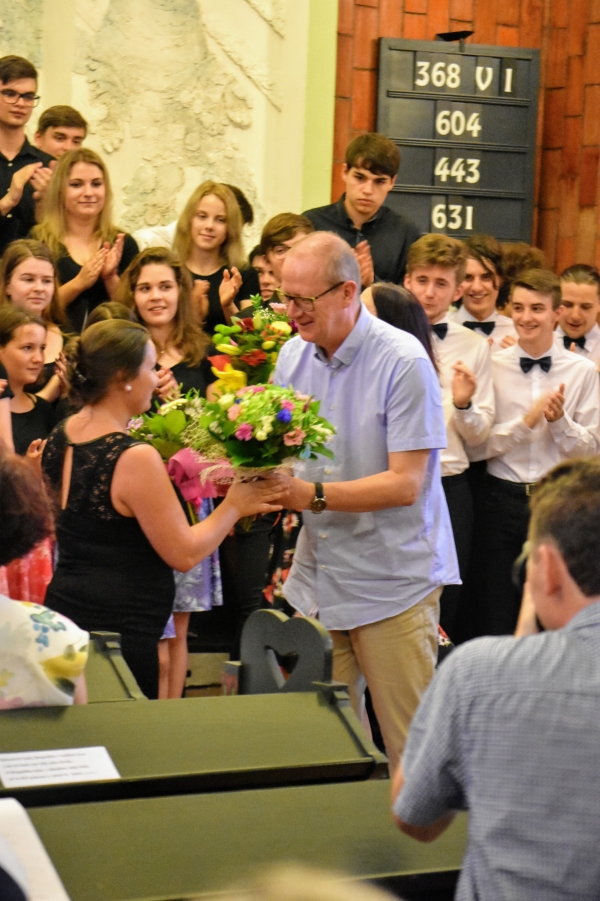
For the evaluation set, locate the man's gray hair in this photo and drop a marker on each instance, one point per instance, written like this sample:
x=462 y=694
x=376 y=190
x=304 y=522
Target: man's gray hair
x=338 y=263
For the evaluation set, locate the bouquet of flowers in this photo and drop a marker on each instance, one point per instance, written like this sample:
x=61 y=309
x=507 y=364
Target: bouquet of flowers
x=256 y=428
x=261 y=426
x=249 y=347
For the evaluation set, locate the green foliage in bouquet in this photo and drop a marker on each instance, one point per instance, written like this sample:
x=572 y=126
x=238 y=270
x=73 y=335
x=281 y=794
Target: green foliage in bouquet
x=261 y=426
x=165 y=428
x=250 y=345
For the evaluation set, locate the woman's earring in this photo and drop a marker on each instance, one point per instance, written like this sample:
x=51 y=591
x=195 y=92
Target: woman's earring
x=127 y=387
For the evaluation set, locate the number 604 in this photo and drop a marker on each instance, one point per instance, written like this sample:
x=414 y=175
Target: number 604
x=451 y=216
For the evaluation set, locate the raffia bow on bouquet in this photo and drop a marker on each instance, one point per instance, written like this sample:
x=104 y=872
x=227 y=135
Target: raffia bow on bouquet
x=244 y=434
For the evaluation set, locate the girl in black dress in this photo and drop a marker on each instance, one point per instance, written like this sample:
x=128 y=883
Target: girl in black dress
x=158 y=289
x=28 y=280
x=121 y=530
x=208 y=239
x=77 y=226
x=22 y=345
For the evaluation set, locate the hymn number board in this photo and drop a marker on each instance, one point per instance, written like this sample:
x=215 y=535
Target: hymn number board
x=465 y=124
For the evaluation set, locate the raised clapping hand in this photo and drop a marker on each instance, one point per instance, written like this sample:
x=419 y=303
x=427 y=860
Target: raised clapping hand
x=35 y=451
x=167 y=388
x=550 y=406
x=41 y=179
x=260 y=496
x=464 y=384
x=507 y=341
x=200 y=290
x=362 y=252
x=229 y=287
x=555 y=406
x=17 y=184
x=60 y=371
x=113 y=257
x=90 y=271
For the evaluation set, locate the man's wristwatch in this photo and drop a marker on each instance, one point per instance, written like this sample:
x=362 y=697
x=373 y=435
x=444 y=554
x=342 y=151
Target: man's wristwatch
x=319 y=501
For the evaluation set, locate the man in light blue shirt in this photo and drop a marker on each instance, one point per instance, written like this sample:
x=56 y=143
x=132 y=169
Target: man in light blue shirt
x=510 y=729
x=377 y=546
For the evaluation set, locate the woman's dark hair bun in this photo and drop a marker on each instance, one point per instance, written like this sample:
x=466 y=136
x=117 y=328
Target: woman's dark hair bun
x=105 y=350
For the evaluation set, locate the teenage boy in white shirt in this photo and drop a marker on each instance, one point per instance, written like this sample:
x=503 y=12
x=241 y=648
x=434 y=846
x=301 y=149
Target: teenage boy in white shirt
x=547 y=410
x=484 y=275
x=577 y=328
x=435 y=271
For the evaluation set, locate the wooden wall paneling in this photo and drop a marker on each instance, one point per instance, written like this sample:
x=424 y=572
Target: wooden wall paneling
x=568 y=35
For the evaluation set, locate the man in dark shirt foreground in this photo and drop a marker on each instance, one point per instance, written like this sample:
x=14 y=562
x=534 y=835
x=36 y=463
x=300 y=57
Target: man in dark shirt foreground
x=380 y=237
x=509 y=729
x=24 y=170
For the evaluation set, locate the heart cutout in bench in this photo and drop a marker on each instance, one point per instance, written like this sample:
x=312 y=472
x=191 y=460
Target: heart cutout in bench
x=268 y=634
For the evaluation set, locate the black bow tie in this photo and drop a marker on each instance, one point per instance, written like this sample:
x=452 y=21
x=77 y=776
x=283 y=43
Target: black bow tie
x=487 y=327
x=527 y=363
x=580 y=342
x=441 y=330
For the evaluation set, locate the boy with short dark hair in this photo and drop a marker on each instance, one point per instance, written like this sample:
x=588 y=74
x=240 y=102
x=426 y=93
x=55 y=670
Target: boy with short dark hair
x=577 y=327
x=482 y=285
x=24 y=170
x=60 y=128
x=547 y=410
x=279 y=234
x=436 y=267
x=380 y=237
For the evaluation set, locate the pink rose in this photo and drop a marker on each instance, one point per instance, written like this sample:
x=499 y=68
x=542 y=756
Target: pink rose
x=278 y=307
x=244 y=432
x=287 y=404
x=296 y=436
x=258 y=389
x=233 y=412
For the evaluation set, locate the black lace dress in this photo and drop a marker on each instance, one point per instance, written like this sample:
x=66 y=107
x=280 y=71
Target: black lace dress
x=108 y=575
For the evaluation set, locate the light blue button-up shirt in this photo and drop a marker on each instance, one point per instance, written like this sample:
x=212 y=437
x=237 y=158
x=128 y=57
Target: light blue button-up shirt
x=382 y=394
x=510 y=730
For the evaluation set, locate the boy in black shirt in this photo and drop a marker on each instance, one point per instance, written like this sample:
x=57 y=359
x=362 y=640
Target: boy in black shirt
x=380 y=237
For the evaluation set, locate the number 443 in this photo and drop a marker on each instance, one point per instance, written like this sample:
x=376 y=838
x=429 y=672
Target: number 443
x=457 y=171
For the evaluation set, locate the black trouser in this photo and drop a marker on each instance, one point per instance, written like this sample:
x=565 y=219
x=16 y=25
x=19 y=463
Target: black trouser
x=460 y=506
x=467 y=624
x=250 y=563
x=506 y=521
x=140 y=653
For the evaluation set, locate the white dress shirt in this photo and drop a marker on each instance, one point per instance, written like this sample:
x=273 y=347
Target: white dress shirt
x=469 y=427
x=156 y=236
x=503 y=326
x=520 y=454
x=591 y=351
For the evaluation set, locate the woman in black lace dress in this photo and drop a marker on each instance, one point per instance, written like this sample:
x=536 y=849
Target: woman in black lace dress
x=121 y=530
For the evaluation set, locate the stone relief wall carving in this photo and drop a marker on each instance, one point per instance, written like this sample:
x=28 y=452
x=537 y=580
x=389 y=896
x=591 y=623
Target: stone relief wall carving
x=243 y=59
x=272 y=12
x=152 y=80
x=21 y=29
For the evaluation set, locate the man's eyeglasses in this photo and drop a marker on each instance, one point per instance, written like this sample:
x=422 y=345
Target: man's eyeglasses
x=306 y=304
x=13 y=97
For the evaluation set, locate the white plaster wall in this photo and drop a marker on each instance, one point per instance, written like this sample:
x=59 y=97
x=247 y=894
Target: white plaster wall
x=177 y=91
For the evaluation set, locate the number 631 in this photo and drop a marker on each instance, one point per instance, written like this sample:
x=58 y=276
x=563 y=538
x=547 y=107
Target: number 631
x=451 y=216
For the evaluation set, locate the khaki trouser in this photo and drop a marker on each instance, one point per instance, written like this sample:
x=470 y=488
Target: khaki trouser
x=396 y=658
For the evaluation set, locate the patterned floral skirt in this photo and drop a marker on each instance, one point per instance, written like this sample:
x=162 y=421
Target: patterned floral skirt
x=285 y=538
x=200 y=588
x=27 y=578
